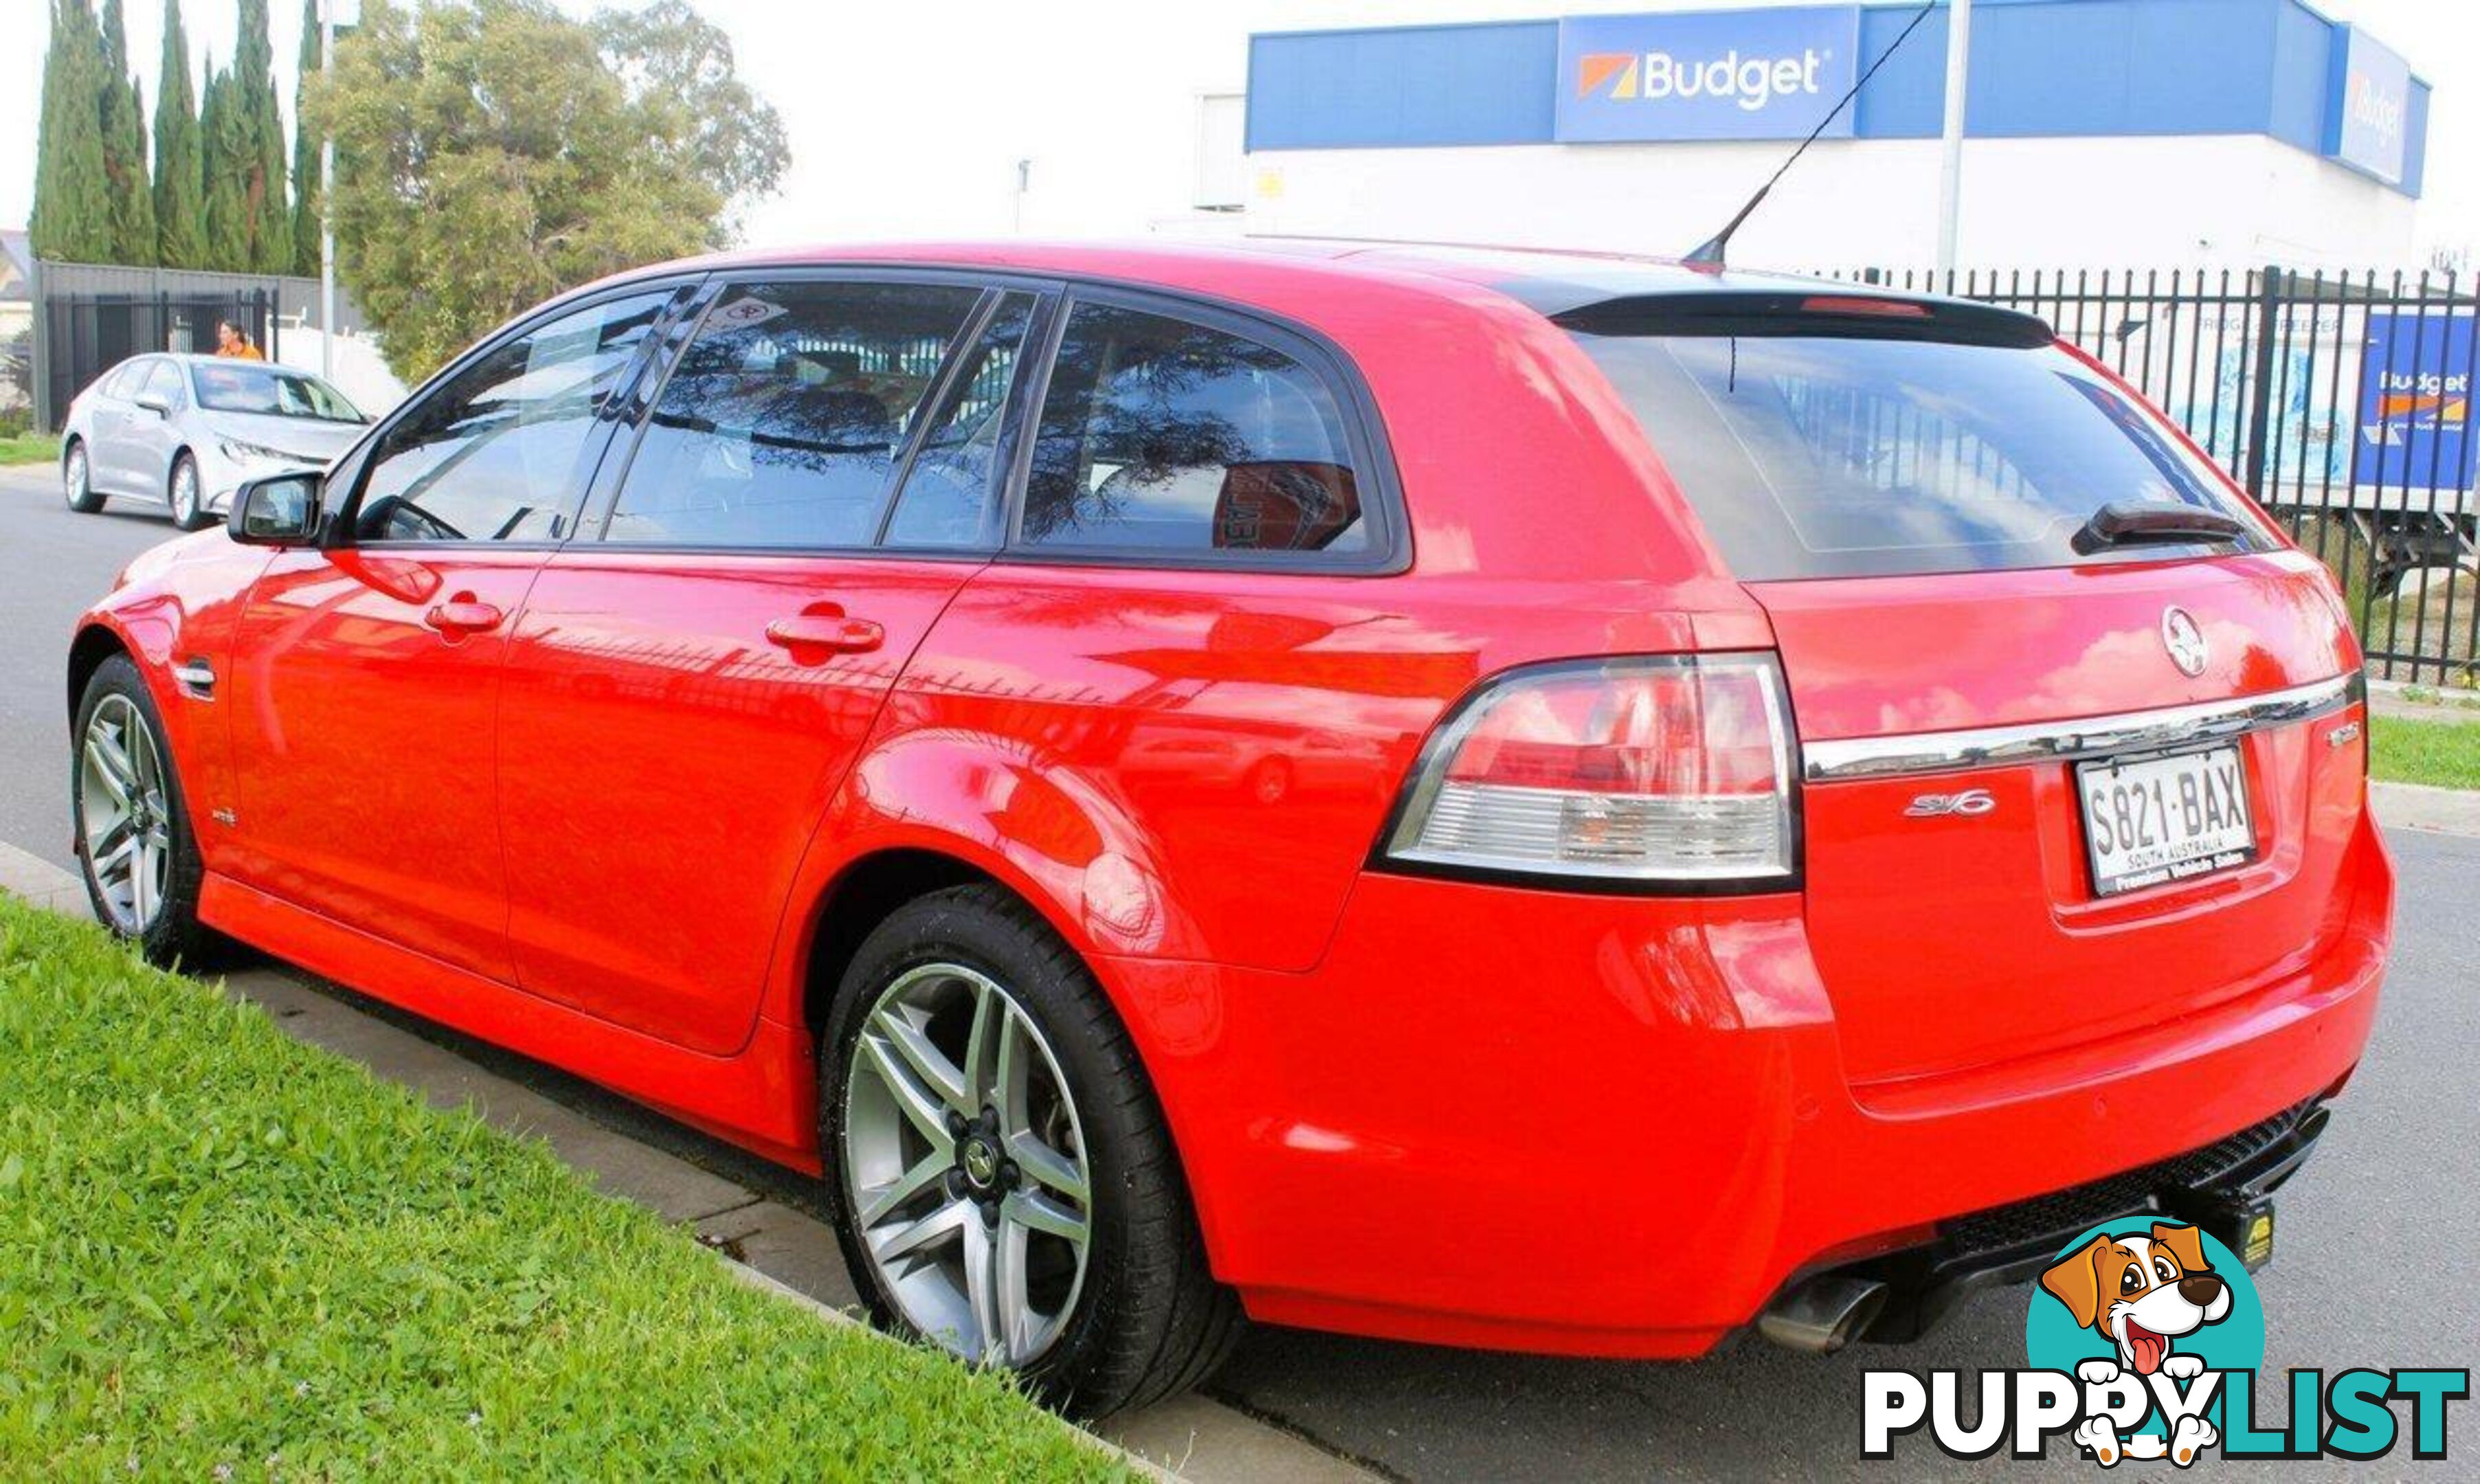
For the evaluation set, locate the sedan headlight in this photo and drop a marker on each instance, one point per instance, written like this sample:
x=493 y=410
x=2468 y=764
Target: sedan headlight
x=235 y=449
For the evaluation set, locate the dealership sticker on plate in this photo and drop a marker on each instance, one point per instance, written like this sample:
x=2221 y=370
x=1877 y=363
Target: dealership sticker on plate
x=2152 y=820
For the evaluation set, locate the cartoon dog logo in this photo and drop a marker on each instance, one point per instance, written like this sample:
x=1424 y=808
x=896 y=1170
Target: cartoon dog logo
x=2141 y=1293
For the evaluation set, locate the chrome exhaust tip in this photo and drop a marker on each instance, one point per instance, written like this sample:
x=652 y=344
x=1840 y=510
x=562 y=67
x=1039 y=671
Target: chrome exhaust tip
x=1822 y=1314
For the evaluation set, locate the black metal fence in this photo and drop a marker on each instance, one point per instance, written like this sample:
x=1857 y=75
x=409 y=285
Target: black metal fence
x=87 y=334
x=2341 y=402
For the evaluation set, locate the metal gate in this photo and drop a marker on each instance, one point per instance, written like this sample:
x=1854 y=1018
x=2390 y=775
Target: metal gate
x=2342 y=402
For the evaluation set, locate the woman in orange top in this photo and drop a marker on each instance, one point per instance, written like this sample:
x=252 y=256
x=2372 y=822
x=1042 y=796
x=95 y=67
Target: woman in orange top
x=234 y=342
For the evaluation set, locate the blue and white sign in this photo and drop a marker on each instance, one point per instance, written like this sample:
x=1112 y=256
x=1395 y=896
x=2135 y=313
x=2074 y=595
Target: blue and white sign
x=1711 y=76
x=2369 y=122
x=2416 y=403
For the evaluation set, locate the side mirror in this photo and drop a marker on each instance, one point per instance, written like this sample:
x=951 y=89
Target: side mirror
x=155 y=404
x=281 y=510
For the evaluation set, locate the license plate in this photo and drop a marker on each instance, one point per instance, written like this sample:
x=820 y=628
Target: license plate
x=2151 y=820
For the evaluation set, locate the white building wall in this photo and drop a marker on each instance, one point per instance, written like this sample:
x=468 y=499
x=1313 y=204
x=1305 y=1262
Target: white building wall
x=2239 y=200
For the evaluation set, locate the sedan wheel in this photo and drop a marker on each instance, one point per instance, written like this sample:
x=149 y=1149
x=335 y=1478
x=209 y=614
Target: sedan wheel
x=77 y=482
x=964 y=1164
x=125 y=814
x=185 y=493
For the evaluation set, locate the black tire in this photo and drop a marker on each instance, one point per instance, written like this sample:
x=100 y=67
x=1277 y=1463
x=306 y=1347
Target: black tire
x=196 y=517
x=1149 y=1321
x=77 y=478
x=172 y=933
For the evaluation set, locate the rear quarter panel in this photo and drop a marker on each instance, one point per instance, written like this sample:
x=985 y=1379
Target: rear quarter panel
x=1194 y=764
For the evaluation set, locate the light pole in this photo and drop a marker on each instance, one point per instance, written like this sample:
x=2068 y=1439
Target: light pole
x=1958 y=78
x=327 y=202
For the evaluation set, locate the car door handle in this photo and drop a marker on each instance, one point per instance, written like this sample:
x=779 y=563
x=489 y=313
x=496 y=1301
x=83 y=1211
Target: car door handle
x=463 y=616
x=833 y=633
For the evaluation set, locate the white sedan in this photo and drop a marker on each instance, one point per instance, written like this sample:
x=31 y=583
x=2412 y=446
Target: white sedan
x=184 y=431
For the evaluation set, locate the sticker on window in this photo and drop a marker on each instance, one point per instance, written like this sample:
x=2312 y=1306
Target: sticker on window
x=742 y=313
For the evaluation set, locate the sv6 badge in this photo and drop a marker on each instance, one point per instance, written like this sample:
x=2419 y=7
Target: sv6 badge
x=1969 y=802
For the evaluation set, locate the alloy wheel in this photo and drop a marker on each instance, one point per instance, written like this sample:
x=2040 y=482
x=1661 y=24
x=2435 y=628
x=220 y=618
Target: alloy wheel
x=185 y=493
x=964 y=1164
x=124 y=808
x=74 y=475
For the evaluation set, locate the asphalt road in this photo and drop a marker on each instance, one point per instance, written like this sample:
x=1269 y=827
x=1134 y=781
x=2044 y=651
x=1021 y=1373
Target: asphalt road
x=53 y=564
x=2375 y=1267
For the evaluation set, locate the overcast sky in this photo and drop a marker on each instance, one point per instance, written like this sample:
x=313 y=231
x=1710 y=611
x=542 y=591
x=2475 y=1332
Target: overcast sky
x=907 y=119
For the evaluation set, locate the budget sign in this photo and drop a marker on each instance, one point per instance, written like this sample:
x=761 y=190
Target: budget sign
x=1713 y=75
x=2370 y=92
x=2416 y=403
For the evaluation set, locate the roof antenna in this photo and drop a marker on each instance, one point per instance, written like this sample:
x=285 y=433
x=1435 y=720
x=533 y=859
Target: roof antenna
x=1710 y=253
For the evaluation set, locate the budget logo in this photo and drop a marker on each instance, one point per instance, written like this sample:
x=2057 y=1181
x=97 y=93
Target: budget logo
x=1746 y=83
x=2142 y=1344
x=1611 y=74
x=1773 y=73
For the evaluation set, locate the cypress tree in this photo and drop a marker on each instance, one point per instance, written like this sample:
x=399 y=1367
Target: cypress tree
x=180 y=179
x=72 y=215
x=124 y=117
x=225 y=149
x=306 y=152
x=269 y=223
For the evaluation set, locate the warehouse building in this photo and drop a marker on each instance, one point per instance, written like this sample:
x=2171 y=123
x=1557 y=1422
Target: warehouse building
x=2098 y=132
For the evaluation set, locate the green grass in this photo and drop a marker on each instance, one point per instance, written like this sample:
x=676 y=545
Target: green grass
x=2443 y=754
x=30 y=448
x=223 y=1254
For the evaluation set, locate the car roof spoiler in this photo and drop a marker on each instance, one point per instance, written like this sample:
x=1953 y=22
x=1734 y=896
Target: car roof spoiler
x=1822 y=311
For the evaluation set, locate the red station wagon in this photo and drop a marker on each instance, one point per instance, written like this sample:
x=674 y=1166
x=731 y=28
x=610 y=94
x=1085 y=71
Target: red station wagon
x=1544 y=802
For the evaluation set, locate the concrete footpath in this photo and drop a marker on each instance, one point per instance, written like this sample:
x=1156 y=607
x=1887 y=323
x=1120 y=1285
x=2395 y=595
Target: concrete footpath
x=748 y=1214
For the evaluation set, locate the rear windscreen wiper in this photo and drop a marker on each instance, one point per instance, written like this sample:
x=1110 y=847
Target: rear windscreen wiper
x=2130 y=522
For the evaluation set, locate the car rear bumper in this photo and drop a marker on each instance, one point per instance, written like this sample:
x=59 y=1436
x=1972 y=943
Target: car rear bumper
x=1532 y=1121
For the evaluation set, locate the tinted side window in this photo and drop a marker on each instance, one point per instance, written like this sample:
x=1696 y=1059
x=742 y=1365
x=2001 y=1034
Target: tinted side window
x=494 y=453
x=1161 y=435
x=122 y=381
x=783 y=422
x=950 y=497
x=164 y=380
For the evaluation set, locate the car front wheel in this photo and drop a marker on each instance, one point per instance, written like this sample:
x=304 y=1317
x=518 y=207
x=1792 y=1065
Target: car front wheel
x=189 y=510
x=77 y=479
x=1003 y=1182
x=135 y=847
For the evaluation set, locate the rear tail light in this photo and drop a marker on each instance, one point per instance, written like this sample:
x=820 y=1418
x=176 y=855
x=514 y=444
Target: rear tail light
x=1669 y=772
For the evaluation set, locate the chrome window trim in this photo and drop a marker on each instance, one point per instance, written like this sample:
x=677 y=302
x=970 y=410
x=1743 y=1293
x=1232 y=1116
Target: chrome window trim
x=1836 y=761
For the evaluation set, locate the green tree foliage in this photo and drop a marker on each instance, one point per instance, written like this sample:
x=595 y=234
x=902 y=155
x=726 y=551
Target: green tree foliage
x=491 y=154
x=72 y=216
x=224 y=143
x=261 y=142
x=305 y=154
x=132 y=199
x=180 y=181
x=249 y=228
x=678 y=70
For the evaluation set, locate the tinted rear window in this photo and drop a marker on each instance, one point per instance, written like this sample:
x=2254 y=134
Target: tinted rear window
x=1842 y=456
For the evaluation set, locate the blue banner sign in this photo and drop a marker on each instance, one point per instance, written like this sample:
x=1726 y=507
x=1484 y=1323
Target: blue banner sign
x=1709 y=75
x=2369 y=102
x=2416 y=403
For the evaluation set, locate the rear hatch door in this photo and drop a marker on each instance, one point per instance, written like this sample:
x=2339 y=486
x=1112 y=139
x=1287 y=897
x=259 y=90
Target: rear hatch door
x=2058 y=785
